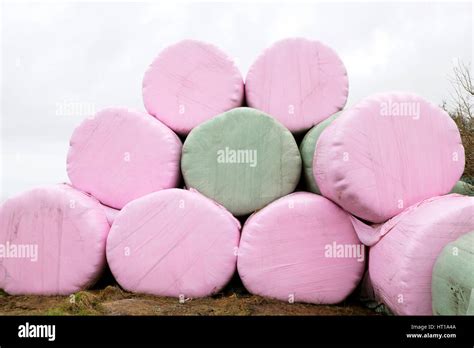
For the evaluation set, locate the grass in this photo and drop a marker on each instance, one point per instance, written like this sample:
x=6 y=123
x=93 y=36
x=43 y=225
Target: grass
x=114 y=301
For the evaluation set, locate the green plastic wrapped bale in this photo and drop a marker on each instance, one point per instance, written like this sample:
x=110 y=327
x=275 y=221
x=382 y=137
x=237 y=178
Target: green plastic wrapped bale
x=307 y=148
x=243 y=159
x=463 y=188
x=453 y=278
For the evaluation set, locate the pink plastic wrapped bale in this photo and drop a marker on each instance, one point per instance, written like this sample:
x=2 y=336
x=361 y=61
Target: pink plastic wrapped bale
x=401 y=263
x=300 y=82
x=174 y=243
x=52 y=241
x=301 y=248
x=388 y=152
x=121 y=154
x=189 y=83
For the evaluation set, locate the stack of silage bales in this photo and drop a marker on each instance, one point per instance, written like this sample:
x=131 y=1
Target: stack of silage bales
x=379 y=174
x=116 y=159
x=389 y=161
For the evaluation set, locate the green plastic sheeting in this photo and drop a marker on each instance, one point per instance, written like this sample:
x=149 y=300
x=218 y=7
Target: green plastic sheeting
x=243 y=159
x=453 y=278
x=307 y=148
x=463 y=188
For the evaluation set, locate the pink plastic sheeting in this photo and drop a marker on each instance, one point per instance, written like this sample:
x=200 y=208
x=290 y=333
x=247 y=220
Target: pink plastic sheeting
x=121 y=154
x=52 y=241
x=387 y=153
x=401 y=263
x=298 y=81
x=173 y=243
x=301 y=248
x=110 y=213
x=189 y=83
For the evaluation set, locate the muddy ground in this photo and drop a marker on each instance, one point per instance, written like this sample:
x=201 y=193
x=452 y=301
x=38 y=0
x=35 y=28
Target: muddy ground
x=113 y=301
x=107 y=298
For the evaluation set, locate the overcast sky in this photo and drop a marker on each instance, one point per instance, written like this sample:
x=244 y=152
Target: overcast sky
x=62 y=60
